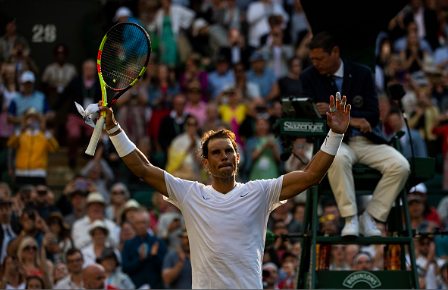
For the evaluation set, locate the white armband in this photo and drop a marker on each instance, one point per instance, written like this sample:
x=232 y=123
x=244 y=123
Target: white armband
x=332 y=143
x=122 y=144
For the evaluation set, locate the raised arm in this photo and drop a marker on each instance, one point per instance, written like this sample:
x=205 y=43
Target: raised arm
x=297 y=181
x=134 y=158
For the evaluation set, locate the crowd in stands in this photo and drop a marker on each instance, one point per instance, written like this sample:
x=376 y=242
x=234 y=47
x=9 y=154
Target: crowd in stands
x=215 y=64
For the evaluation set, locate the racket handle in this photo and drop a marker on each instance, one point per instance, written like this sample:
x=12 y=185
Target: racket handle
x=95 y=136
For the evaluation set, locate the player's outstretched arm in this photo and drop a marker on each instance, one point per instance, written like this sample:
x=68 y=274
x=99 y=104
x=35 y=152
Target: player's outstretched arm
x=134 y=158
x=298 y=181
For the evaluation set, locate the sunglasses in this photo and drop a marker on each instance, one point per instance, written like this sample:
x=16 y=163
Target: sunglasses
x=27 y=248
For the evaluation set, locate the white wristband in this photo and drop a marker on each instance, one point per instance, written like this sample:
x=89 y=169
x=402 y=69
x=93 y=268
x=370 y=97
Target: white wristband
x=114 y=129
x=122 y=144
x=332 y=143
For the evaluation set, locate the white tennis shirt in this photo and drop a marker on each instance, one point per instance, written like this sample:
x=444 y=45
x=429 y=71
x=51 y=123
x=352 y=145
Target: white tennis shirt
x=227 y=231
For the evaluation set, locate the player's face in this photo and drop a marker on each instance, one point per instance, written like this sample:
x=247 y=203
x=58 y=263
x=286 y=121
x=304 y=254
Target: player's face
x=222 y=158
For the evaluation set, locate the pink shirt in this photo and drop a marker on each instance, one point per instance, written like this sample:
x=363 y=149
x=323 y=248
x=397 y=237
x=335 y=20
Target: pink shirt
x=197 y=111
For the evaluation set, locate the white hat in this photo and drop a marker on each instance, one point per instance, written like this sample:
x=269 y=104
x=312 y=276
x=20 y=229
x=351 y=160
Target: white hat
x=197 y=25
x=27 y=76
x=421 y=187
x=122 y=12
x=98 y=224
x=270 y=265
x=132 y=203
x=95 y=197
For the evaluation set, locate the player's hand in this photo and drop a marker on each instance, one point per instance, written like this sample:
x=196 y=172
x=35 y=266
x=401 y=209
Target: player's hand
x=110 y=119
x=339 y=119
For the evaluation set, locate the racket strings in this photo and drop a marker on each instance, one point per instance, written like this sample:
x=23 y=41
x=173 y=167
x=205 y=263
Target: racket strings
x=124 y=55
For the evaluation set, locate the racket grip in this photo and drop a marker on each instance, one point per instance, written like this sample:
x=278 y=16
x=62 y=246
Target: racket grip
x=95 y=136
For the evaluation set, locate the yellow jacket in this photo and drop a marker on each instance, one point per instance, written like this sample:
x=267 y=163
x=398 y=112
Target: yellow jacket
x=32 y=149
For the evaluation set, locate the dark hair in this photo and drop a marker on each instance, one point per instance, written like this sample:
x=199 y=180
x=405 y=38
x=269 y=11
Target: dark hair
x=30 y=213
x=329 y=203
x=34 y=277
x=288 y=254
x=292 y=59
x=323 y=40
x=73 y=251
x=210 y=135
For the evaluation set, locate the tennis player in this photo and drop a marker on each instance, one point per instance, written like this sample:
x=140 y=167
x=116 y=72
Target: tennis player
x=227 y=220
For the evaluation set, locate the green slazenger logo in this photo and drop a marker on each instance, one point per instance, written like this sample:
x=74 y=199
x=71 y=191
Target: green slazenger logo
x=362 y=276
x=290 y=126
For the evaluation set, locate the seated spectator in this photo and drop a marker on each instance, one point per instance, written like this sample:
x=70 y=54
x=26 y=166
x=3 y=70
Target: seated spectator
x=40 y=203
x=59 y=236
x=33 y=263
x=413 y=56
x=339 y=260
x=127 y=233
x=427 y=260
x=119 y=194
x=363 y=262
x=430 y=213
x=281 y=213
x=74 y=280
x=236 y=51
x=162 y=89
x=11 y=36
x=110 y=260
x=183 y=162
x=328 y=225
x=401 y=43
x=9 y=229
x=129 y=210
x=289 y=85
x=33 y=143
x=78 y=202
x=396 y=122
x=95 y=211
x=212 y=120
x=94 y=277
x=263 y=77
x=417 y=216
x=262 y=152
x=428 y=23
x=98 y=232
x=169 y=227
x=59 y=273
x=277 y=53
x=35 y=282
x=270 y=276
x=351 y=251
x=289 y=272
x=221 y=76
x=100 y=173
x=13 y=275
x=298 y=212
x=195 y=107
x=194 y=74
x=144 y=264
x=281 y=244
x=249 y=89
x=176 y=268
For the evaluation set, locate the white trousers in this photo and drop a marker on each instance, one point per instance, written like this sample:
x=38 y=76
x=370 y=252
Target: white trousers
x=386 y=159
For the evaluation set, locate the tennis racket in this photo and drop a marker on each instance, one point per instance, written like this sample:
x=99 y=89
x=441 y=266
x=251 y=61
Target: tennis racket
x=122 y=59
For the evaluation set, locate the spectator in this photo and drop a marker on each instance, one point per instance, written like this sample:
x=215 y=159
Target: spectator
x=183 y=162
x=35 y=282
x=328 y=225
x=263 y=77
x=289 y=85
x=119 y=194
x=444 y=274
x=59 y=273
x=8 y=91
x=208 y=36
x=78 y=202
x=281 y=244
x=232 y=109
x=176 y=269
x=129 y=210
x=95 y=211
x=339 y=260
x=33 y=144
x=441 y=130
x=83 y=89
x=28 y=255
x=413 y=56
x=194 y=74
x=402 y=43
x=430 y=212
x=94 y=276
x=9 y=228
x=426 y=259
x=212 y=120
x=143 y=265
x=8 y=40
x=59 y=234
x=169 y=227
x=424 y=118
x=262 y=153
x=57 y=75
x=220 y=77
x=236 y=51
x=13 y=275
x=298 y=212
x=169 y=21
x=98 y=232
x=426 y=20
x=75 y=278
x=124 y=14
x=110 y=260
x=288 y=271
x=40 y=203
x=174 y=123
x=270 y=276
x=363 y=262
x=416 y=214
x=277 y=53
x=27 y=99
x=258 y=13
x=396 y=122
x=100 y=173
x=328 y=75
x=249 y=89
x=299 y=26
x=351 y=251
x=127 y=233
x=162 y=89
x=195 y=107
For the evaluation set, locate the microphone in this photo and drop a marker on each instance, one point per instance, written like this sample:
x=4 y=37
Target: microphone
x=397 y=92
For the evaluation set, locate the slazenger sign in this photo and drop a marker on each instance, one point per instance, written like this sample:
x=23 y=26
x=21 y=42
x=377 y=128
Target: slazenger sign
x=361 y=276
x=291 y=126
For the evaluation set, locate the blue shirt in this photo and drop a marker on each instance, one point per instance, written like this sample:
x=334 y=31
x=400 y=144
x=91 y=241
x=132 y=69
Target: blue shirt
x=216 y=82
x=147 y=271
x=21 y=103
x=441 y=55
x=265 y=81
x=184 y=279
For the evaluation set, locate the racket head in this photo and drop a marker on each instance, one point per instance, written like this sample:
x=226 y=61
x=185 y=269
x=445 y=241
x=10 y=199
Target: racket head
x=123 y=56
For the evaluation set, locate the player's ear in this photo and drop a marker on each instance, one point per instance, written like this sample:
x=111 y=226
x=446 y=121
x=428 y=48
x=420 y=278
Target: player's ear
x=205 y=162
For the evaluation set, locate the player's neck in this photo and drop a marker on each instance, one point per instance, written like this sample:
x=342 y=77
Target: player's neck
x=224 y=185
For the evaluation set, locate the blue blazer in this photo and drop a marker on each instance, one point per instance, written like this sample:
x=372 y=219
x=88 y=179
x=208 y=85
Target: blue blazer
x=359 y=89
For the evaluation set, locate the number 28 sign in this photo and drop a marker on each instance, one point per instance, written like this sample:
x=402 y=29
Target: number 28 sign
x=44 y=33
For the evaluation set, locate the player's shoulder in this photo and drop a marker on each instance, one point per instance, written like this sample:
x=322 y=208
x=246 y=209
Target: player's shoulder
x=262 y=183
